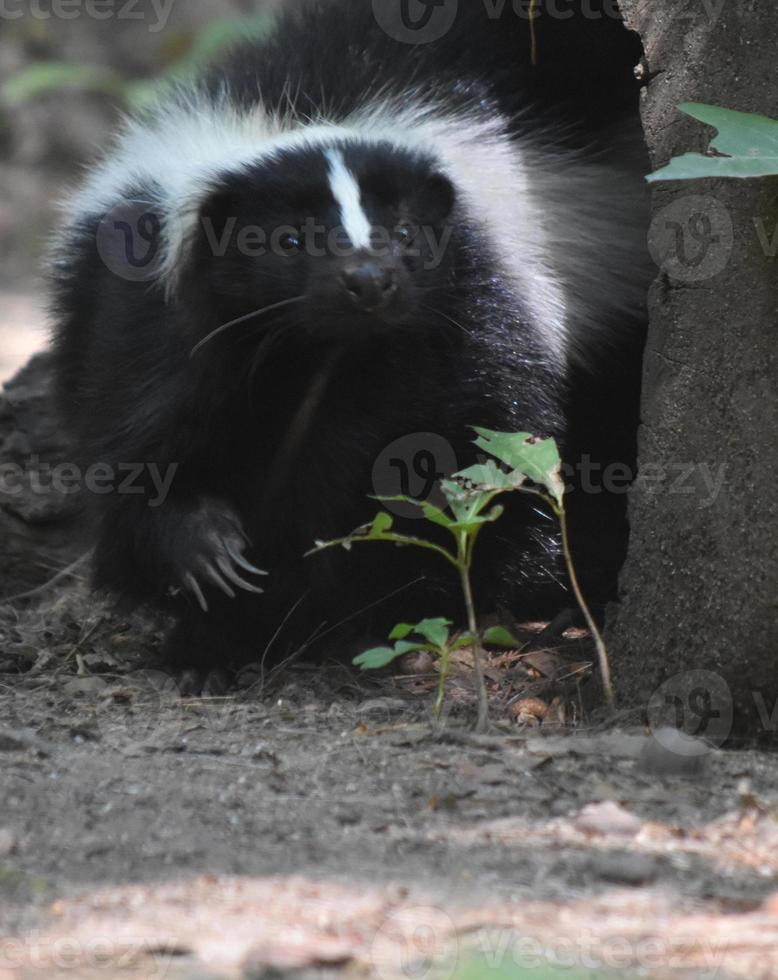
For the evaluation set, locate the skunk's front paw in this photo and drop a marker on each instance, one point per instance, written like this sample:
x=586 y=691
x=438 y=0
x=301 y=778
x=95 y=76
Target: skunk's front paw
x=209 y=552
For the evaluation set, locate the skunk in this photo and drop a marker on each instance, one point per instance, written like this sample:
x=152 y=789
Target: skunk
x=301 y=280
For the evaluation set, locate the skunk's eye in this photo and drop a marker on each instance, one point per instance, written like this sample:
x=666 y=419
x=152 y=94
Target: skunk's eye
x=291 y=242
x=404 y=233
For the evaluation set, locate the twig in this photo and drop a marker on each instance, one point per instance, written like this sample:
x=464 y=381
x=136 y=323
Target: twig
x=602 y=650
x=62 y=574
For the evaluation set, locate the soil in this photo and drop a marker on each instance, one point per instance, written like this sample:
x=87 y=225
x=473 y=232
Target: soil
x=318 y=822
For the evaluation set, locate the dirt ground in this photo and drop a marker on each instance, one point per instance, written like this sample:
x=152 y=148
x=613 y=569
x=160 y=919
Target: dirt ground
x=318 y=823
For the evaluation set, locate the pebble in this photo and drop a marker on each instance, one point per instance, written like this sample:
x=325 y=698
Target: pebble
x=20 y=741
x=624 y=867
x=7 y=841
x=84 y=686
x=608 y=819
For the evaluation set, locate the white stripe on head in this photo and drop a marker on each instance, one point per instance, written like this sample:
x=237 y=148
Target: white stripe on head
x=186 y=147
x=345 y=190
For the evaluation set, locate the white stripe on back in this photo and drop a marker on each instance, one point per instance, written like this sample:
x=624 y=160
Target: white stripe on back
x=345 y=190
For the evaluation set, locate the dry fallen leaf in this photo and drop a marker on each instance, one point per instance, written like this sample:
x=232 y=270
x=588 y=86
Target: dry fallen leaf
x=529 y=710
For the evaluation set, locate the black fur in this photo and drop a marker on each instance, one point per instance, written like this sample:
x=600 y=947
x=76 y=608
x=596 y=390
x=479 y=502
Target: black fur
x=275 y=425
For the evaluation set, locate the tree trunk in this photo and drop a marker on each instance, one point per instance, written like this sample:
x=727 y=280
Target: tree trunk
x=695 y=636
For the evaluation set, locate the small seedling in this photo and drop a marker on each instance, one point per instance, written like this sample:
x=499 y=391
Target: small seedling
x=529 y=465
x=431 y=636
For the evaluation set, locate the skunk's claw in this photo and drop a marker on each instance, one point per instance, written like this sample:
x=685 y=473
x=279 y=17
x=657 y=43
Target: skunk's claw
x=236 y=555
x=236 y=579
x=191 y=583
x=215 y=578
x=209 y=553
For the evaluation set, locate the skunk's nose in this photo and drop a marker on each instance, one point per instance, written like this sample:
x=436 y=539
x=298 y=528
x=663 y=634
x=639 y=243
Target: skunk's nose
x=371 y=285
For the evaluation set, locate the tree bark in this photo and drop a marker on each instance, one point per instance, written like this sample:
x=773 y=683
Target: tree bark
x=695 y=636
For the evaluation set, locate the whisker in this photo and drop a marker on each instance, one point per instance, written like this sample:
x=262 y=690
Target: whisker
x=445 y=316
x=278 y=632
x=265 y=329
x=243 y=319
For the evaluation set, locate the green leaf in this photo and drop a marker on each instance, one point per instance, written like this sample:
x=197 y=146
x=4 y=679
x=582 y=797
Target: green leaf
x=435 y=515
x=382 y=523
x=376 y=531
x=537 y=459
x=218 y=35
x=382 y=656
x=478 y=966
x=144 y=93
x=498 y=636
x=475 y=523
x=694 y=166
x=47 y=76
x=209 y=42
x=401 y=631
x=466 y=505
x=376 y=658
x=489 y=476
x=53 y=76
x=430 y=511
x=465 y=640
x=434 y=631
x=748 y=142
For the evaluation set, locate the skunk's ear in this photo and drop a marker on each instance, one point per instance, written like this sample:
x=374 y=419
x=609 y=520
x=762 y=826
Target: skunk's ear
x=208 y=249
x=435 y=199
x=217 y=212
x=130 y=239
